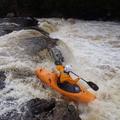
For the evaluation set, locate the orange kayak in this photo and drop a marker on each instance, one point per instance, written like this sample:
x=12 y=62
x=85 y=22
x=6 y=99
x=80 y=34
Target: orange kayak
x=50 y=79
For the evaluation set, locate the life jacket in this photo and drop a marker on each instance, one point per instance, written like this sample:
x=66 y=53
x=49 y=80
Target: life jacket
x=60 y=68
x=64 y=77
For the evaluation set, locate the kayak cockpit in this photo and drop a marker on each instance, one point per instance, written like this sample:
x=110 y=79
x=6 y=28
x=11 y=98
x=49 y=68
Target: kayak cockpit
x=69 y=87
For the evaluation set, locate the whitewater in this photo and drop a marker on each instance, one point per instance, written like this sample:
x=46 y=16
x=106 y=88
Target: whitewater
x=93 y=49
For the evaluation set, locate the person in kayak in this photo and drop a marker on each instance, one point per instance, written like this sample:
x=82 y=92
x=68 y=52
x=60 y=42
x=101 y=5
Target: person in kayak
x=65 y=81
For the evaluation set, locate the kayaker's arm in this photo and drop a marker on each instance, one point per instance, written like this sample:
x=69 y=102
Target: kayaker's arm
x=74 y=81
x=69 y=80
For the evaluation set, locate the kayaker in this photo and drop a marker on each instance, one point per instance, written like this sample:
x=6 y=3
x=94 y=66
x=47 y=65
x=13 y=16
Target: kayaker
x=64 y=74
x=65 y=81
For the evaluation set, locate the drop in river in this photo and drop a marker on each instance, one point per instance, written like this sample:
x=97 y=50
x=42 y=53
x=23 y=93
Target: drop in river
x=93 y=49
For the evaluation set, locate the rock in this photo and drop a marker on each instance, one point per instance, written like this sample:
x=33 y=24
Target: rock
x=57 y=55
x=21 y=21
x=38 y=106
x=7 y=25
x=37 y=44
x=63 y=111
x=2 y=79
x=41 y=109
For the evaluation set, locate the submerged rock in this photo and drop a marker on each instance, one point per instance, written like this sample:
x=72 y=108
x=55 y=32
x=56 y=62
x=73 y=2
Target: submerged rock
x=2 y=79
x=41 y=109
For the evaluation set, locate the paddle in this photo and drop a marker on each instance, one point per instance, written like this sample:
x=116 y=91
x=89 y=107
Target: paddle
x=91 y=84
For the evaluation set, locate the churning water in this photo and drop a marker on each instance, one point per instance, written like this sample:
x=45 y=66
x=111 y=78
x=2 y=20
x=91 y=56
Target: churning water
x=92 y=47
x=96 y=49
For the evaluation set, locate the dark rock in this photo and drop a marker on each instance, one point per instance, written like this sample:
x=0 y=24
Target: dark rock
x=57 y=55
x=38 y=106
x=63 y=111
x=34 y=45
x=2 y=79
x=41 y=109
x=7 y=25
x=21 y=21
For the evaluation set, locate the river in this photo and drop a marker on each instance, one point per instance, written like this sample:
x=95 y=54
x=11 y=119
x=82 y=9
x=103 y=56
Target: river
x=93 y=49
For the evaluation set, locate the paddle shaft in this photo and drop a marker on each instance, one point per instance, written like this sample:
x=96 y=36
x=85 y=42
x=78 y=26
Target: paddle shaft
x=91 y=84
x=78 y=76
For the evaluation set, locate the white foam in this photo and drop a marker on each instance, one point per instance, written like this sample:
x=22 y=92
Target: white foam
x=96 y=60
x=87 y=46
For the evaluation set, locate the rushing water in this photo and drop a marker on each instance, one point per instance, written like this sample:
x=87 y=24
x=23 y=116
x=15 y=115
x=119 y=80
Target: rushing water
x=93 y=48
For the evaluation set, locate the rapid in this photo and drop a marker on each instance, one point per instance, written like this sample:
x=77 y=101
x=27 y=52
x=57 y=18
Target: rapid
x=93 y=49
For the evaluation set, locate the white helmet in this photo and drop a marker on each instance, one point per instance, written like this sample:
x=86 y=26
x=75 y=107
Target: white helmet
x=68 y=68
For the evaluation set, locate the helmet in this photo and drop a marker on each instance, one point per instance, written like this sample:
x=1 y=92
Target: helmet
x=68 y=68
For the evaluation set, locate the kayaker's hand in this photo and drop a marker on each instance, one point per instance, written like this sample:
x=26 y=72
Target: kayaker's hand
x=77 y=79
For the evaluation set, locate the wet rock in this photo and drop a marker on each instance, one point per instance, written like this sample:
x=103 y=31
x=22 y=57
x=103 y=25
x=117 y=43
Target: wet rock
x=21 y=21
x=2 y=79
x=57 y=55
x=33 y=46
x=7 y=25
x=41 y=109
x=63 y=111
x=38 y=106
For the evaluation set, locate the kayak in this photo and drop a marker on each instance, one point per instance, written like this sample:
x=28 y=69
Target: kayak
x=50 y=79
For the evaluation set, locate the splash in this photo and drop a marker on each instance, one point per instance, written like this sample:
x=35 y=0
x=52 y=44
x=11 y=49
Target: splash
x=91 y=47
x=95 y=46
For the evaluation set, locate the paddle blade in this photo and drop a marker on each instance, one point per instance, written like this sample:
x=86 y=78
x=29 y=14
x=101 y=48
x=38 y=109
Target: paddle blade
x=93 y=85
